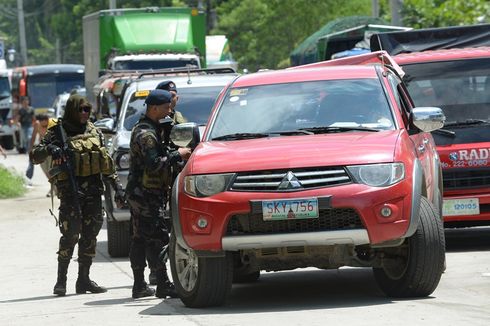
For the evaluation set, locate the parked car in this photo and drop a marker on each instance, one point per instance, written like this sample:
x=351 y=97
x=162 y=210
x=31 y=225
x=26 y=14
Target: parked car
x=311 y=167
x=197 y=93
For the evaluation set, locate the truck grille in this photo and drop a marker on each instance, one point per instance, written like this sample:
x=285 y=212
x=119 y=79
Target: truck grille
x=328 y=220
x=290 y=180
x=466 y=179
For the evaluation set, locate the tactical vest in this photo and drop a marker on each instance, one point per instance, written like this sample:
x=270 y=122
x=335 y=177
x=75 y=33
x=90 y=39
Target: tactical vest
x=154 y=179
x=89 y=155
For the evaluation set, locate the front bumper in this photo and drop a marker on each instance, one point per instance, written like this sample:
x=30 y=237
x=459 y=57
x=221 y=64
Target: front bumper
x=366 y=203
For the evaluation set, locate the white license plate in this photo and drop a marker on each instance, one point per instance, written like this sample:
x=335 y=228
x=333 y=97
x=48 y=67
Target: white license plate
x=286 y=209
x=455 y=207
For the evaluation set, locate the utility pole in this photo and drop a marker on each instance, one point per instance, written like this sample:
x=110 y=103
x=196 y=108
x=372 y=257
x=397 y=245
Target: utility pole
x=375 y=8
x=22 y=31
x=112 y=4
x=396 y=8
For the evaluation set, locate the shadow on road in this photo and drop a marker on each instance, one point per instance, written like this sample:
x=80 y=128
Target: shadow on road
x=291 y=291
x=468 y=239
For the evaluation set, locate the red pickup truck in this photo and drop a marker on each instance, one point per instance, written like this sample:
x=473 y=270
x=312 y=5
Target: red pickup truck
x=310 y=167
x=450 y=68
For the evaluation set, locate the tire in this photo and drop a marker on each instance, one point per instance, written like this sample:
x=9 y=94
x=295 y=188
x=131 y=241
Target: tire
x=118 y=238
x=419 y=261
x=245 y=277
x=200 y=281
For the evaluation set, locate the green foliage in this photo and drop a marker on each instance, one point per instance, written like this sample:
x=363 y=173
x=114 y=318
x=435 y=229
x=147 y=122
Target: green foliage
x=11 y=185
x=439 y=13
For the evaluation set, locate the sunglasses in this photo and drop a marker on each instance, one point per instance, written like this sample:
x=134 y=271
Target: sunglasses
x=85 y=109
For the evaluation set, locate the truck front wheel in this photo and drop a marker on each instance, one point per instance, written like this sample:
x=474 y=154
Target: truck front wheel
x=200 y=281
x=414 y=269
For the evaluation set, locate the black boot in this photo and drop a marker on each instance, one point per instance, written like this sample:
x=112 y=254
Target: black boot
x=165 y=288
x=153 y=277
x=60 y=286
x=140 y=288
x=84 y=283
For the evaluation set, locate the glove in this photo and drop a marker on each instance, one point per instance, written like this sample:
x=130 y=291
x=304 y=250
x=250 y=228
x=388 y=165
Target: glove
x=120 y=197
x=55 y=152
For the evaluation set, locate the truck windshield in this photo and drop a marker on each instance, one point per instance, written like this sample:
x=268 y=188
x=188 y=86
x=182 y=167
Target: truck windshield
x=42 y=89
x=4 y=88
x=461 y=88
x=153 y=64
x=282 y=108
x=194 y=103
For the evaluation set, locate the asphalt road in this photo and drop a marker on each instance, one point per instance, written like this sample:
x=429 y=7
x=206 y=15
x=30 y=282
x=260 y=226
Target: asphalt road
x=348 y=296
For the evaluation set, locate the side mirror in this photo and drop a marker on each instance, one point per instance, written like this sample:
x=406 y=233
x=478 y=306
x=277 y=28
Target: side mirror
x=428 y=119
x=186 y=135
x=105 y=125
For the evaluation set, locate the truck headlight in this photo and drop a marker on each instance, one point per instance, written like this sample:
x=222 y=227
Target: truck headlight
x=206 y=185
x=378 y=175
x=122 y=160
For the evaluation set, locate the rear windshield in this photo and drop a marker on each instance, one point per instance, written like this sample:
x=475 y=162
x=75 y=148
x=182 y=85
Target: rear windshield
x=461 y=88
x=194 y=103
x=42 y=89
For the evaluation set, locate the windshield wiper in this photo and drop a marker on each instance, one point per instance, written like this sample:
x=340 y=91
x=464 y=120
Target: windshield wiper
x=466 y=122
x=292 y=132
x=327 y=129
x=242 y=135
x=445 y=132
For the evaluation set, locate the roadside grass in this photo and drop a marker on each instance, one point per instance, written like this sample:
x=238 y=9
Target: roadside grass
x=11 y=184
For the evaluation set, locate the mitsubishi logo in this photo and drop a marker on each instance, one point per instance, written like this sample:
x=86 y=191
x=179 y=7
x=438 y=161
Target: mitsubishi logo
x=290 y=182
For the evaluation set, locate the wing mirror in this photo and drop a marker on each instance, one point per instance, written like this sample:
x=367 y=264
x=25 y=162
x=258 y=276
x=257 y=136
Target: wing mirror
x=105 y=125
x=186 y=135
x=428 y=119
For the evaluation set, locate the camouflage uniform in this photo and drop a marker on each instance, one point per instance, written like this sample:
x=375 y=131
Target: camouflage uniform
x=91 y=162
x=146 y=190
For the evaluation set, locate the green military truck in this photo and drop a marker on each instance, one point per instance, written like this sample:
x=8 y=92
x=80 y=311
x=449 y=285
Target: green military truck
x=143 y=39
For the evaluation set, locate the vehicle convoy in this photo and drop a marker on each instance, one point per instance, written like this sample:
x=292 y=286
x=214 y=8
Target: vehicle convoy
x=197 y=92
x=450 y=68
x=143 y=39
x=323 y=165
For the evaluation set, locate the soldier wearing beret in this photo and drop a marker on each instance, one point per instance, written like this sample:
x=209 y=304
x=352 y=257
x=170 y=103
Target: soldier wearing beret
x=146 y=192
x=169 y=86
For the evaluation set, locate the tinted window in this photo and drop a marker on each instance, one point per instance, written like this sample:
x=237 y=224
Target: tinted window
x=194 y=103
x=461 y=88
x=153 y=64
x=283 y=107
x=4 y=87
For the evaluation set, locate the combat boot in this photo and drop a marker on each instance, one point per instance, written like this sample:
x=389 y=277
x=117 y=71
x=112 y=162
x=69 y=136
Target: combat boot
x=153 y=277
x=60 y=286
x=140 y=287
x=165 y=288
x=84 y=283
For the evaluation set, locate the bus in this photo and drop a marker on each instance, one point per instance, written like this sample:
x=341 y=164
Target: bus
x=44 y=82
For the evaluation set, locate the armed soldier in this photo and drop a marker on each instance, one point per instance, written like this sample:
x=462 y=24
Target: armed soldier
x=79 y=161
x=146 y=194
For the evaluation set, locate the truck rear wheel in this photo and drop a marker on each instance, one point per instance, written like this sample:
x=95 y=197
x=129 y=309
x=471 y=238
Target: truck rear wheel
x=414 y=269
x=200 y=281
x=118 y=238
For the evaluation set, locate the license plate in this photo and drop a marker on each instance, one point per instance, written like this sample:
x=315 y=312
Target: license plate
x=455 y=207
x=287 y=209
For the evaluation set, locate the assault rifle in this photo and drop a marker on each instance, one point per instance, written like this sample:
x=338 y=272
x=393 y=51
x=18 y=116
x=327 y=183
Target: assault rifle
x=67 y=165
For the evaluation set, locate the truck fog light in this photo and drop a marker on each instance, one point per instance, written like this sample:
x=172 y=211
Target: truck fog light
x=386 y=211
x=202 y=222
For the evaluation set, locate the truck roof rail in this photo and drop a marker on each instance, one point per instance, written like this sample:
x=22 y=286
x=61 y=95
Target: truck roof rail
x=194 y=71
